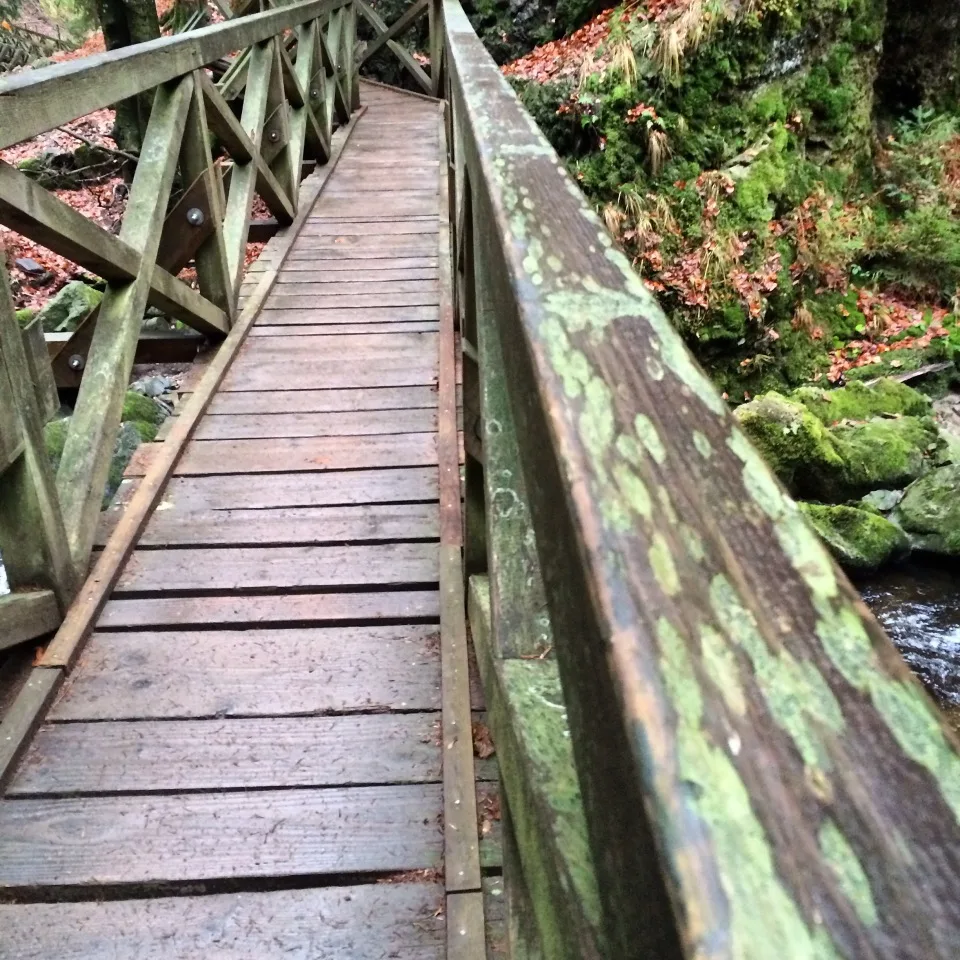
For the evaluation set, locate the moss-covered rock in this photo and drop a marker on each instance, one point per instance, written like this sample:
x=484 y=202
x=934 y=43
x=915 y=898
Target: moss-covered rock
x=834 y=464
x=137 y=407
x=147 y=431
x=930 y=511
x=883 y=454
x=859 y=401
x=128 y=439
x=24 y=317
x=795 y=444
x=69 y=307
x=860 y=539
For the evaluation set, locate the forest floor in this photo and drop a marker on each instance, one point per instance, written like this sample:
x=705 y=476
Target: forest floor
x=887 y=317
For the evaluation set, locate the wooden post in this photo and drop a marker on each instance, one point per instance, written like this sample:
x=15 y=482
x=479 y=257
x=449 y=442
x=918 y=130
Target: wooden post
x=93 y=427
x=436 y=47
x=213 y=270
x=33 y=539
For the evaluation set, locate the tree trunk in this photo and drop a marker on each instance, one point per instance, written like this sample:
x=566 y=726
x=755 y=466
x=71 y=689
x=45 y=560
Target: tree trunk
x=921 y=56
x=125 y=22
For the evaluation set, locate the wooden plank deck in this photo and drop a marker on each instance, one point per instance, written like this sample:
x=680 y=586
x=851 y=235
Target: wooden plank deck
x=246 y=759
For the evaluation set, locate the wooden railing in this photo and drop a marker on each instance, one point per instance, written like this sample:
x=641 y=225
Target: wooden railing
x=757 y=772
x=270 y=106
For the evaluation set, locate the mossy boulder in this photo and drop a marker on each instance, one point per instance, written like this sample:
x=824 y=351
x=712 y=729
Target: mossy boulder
x=834 y=464
x=128 y=439
x=883 y=453
x=860 y=401
x=70 y=307
x=860 y=539
x=24 y=317
x=138 y=408
x=930 y=511
x=796 y=445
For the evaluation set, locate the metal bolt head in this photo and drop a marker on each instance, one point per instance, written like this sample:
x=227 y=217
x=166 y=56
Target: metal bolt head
x=314 y=93
x=195 y=217
x=273 y=136
x=76 y=362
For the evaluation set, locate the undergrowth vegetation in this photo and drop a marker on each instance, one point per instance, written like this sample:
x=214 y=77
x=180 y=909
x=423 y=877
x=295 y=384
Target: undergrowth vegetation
x=795 y=228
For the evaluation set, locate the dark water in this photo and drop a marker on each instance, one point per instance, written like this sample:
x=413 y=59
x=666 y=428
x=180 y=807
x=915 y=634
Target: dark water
x=919 y=605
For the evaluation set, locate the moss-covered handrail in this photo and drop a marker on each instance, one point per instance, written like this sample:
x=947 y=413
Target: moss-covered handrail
x=762 y=776
x=292 y=79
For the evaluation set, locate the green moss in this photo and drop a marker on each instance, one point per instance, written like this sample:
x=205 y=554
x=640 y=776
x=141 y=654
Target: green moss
x=147 y=431
x=884 y=454
x=857 y=401
x=930 y=511
x=25 y=316
x=137 y=407
x=794 y=443
x=859 y=538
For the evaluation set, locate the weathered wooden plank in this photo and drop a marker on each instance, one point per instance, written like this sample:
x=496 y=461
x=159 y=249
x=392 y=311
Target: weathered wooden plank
x=292 y=330
x=41 y=375
x=362 y=368
x=295 y=295
x=381 y=271
x=168 y=673
x=145 y=756
x=367 y=286
x=290 y=525
x=362 y=248
x=307 y=454
x=404 y=606
x=341 y=424
x=466 y=933
x=324 y=401
x=421 y=267
x=358 y=208
x=359 y=922
x=89 y=842
x=281 y=568
x=27 y=614
x=289 y=490
x=387 y=231
x=374 y=348
x=314 y=314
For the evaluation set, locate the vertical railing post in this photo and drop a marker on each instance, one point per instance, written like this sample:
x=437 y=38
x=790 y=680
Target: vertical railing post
x=33 y=540
x=436 y=46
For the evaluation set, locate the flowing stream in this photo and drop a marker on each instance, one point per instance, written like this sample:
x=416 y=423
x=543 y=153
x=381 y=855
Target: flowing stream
x=918 y=604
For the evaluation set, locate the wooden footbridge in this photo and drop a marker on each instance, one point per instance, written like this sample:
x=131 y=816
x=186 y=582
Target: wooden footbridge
x=249 y=726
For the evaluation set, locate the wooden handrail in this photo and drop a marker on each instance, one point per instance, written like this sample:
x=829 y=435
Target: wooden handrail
x=294 y=89
x=761 y=774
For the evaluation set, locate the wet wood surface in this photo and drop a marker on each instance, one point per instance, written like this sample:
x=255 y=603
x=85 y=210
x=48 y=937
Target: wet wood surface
x=257 y=713
x=352 y=921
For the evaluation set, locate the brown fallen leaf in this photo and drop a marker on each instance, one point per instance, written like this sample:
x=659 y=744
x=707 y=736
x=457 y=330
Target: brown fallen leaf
x=482 y=741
